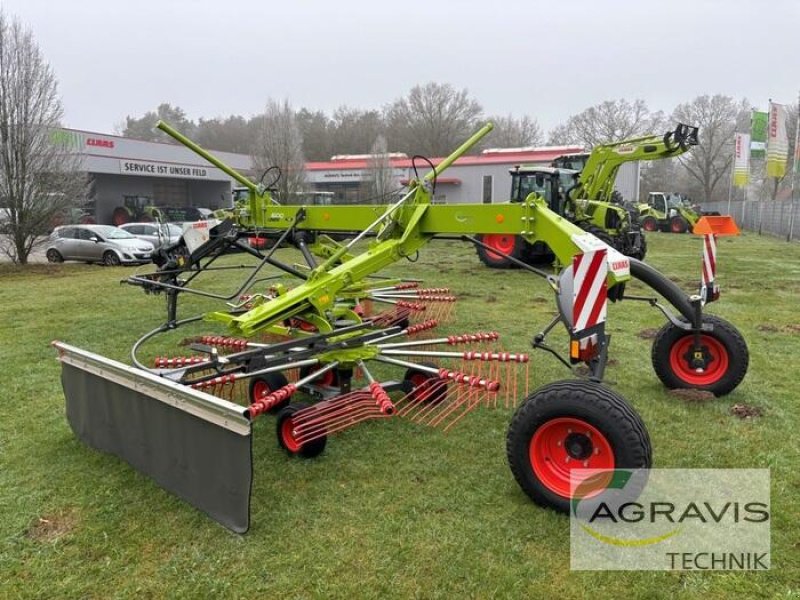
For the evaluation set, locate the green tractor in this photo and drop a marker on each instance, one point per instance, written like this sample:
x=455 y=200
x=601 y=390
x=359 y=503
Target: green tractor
x=608 y=221
x=134 y=208
x=670 y=212
x=580 y=187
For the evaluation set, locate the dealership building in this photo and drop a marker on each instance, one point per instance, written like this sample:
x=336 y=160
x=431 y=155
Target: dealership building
x=122 y=170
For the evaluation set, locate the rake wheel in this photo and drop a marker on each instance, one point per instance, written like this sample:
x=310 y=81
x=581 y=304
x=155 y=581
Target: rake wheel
x=263 y=385
x=286 y=438
x=724 y=354
x=418 y=383
x=572 y=425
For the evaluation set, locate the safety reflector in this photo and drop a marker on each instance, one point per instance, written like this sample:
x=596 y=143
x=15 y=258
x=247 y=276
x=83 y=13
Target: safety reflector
x=190 y=443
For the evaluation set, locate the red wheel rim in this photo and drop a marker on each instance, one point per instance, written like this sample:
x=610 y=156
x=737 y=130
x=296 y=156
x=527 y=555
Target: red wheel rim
x=649 y=225
x=500 y=242
x=260 y=389
x=421 y=391
x=328 y=379
x=287 y=436
x=676 y=227
x=567 y=443
x=716 y=354
x=120 y=216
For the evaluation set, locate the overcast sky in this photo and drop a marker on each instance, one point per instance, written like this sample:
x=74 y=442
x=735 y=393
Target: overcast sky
x=545 y=59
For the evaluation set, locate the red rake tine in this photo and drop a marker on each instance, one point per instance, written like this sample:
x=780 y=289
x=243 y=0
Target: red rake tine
x=471 y=405
x=422 y=398
x=307 y=433
x=356 y=408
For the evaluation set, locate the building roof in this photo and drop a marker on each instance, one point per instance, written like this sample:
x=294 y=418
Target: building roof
x=511 y=156
x=107 y=146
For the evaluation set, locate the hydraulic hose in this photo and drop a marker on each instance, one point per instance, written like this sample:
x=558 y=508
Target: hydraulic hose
x=668 y=289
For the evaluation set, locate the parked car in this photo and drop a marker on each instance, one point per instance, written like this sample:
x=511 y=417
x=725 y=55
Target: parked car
x=97 y=243
x=158 y=234
x=184 y=214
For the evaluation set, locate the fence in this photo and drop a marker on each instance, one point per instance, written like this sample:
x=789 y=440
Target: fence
x=773 y=217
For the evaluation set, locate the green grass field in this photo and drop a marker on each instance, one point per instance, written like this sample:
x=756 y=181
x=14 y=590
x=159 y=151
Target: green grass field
x=391 y=509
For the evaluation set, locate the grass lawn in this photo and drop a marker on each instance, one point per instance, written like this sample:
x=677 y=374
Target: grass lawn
x=391 y=509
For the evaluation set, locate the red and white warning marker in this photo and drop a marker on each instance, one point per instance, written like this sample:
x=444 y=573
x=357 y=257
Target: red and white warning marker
x=709 y=291
x=589 y=291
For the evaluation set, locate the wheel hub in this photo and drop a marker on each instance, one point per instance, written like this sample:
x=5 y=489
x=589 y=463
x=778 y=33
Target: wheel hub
x=698 y=358
x=578 y=446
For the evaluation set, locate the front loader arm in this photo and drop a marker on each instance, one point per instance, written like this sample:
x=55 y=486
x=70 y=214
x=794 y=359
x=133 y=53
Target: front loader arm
x=597 y=179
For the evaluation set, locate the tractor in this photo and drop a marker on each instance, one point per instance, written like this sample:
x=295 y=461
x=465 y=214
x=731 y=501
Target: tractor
x=581 y=188
x=134 y=208
x=357 y=345
x=670 y=212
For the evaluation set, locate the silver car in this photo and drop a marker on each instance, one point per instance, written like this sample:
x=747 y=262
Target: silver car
x=160 y=235
x=97 y=243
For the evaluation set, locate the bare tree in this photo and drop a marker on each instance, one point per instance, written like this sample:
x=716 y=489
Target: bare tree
x=609 y=121
x=229 y=134
x=40 y=174
x=432 y=120
x=510 y=132
x=144 y=128
x=709 y=163
x=317 y=131
x=355 y=130
x=278 y=143
x=382 y=185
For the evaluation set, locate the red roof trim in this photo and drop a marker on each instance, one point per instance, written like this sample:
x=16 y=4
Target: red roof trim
x=446 y=180
x=512 y=158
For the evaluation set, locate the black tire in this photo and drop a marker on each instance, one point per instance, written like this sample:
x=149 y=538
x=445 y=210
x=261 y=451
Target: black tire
x=110 y=259
x=724 y=345
x=54 y=256
x=538 y=254
x=678 y=224
x=307 y=450
x=642 y=251
x=621 y=432
x=649 y=224
x=600 y=234
x=260 y=385
x=414 y=378
x=513 y=245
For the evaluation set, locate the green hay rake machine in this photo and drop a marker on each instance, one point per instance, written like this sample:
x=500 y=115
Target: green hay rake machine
x=186 y=421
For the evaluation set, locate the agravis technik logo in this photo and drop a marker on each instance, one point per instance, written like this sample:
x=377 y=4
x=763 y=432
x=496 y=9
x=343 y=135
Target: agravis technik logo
x=670 y=519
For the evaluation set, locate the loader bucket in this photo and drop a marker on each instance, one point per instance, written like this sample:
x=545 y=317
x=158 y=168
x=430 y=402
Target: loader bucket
x=716 y=225
x=193 y=444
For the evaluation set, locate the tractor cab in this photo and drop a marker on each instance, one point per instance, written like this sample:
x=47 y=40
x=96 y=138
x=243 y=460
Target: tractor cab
x=240 y=193
x=573 y=162
x=547 y=182
x=668 y=205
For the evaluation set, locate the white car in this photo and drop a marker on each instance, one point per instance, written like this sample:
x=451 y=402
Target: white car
x=160 y=235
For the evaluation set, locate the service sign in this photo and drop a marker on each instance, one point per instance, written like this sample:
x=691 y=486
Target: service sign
x=159 y=169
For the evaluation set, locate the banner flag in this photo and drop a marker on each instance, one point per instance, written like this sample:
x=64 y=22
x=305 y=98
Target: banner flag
x=777 y=141
x=758 y=134
x=796 y=161
x=741 y=159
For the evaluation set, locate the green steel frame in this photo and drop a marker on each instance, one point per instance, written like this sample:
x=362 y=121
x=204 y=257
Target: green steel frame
x=400 y=231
